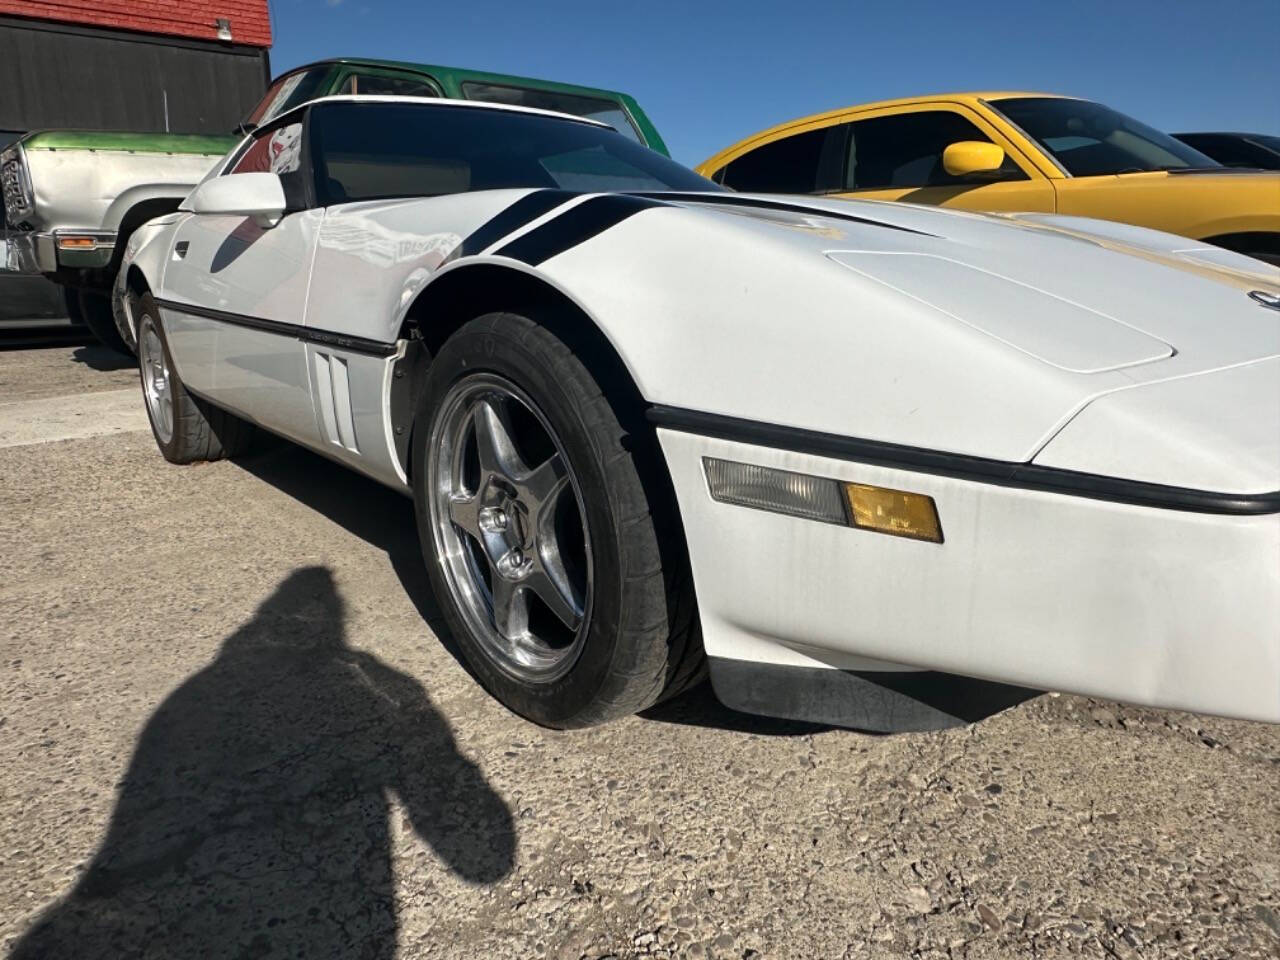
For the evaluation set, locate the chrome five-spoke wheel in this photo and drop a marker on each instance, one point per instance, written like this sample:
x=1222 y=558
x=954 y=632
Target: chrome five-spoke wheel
x=156 y=380
x=510 y=528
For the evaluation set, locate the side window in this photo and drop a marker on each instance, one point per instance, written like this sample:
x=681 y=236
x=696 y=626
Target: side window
x=289 y=91
x=360 y=153
x=385 y=85
x=790 y=165
x=593 y=108
x=274 y=151
x=905 y=150
x=1228 y=151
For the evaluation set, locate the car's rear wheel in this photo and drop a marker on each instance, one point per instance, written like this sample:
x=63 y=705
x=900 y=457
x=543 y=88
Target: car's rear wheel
x=187 y=429
x=540 y=535
x=96 y=311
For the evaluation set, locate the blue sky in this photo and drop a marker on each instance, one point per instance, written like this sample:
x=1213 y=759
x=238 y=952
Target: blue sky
x=710 y=74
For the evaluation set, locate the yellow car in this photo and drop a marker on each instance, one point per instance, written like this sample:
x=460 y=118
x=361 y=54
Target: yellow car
x=1007 y=152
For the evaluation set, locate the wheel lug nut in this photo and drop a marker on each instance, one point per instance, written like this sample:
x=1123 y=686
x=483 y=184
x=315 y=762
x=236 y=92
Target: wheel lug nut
x=493 y=519
x=512 y=564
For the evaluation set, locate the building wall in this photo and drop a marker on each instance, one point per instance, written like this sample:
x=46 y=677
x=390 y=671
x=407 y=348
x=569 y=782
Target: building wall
x=142 y=65
x=59 y=76
x=250 y=21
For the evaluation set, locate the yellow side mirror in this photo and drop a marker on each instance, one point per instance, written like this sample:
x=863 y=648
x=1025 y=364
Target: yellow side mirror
x=971 y=156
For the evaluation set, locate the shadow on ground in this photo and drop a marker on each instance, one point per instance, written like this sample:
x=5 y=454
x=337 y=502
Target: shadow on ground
x=97 y=357
x=700 y=708
x=41 y=334
x=253 y=819
x=364 y=508
x=384 y=519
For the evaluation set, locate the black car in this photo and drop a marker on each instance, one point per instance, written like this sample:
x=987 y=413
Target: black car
x=1258 y=151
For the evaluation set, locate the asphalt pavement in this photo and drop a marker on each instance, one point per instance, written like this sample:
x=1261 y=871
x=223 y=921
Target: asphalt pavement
x=233 y=725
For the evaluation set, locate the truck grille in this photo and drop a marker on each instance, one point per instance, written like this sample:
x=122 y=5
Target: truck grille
x=17 y=194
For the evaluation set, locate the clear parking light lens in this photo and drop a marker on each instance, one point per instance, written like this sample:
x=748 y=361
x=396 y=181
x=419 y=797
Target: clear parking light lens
x=781 y=491
x=898 y=513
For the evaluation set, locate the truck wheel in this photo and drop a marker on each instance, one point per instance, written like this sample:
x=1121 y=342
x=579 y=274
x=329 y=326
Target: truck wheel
x=95 y=308
x=187 y=429
x=540 y=534
x=71 y=297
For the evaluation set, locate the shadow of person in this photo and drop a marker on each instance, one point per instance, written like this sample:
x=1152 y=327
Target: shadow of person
x=253 y=819
x=365 y=508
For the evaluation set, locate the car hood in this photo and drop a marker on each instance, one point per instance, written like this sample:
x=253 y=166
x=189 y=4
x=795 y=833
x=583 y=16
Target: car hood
x=942 y=330
x=1083 y=296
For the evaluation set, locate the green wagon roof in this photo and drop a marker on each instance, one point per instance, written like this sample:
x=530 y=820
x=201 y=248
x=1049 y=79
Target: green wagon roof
x=452 y=78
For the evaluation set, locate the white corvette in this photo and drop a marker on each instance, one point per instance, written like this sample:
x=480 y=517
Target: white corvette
x=880 y=462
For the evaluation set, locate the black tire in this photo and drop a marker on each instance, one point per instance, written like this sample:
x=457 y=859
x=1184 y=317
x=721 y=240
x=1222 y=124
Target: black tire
x=95 y=309
x=641 y=639
x=71 y=296
x=201 y=430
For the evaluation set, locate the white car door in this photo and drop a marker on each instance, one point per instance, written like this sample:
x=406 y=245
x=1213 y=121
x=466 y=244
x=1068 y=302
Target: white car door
x=235 y=297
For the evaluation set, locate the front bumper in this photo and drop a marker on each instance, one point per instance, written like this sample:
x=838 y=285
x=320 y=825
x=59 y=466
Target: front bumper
x=1169 y=608
x=39 y=253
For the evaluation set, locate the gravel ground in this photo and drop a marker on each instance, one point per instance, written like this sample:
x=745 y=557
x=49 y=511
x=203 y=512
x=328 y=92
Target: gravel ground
x=231 y=725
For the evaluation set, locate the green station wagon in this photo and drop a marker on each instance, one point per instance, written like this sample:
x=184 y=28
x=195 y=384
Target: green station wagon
x=392 y=78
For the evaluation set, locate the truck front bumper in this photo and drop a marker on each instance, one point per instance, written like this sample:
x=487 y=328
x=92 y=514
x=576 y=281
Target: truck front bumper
x=46 y=253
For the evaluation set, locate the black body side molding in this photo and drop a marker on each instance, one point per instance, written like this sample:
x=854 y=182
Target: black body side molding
x=342 y=341
x=1005 y=473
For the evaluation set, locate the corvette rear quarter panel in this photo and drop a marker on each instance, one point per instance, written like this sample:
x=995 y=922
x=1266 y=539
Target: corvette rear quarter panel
x=150 y=246
x=1146 y=605
x=374 y=258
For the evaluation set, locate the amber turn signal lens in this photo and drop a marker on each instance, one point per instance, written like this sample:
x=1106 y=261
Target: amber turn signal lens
x=894 y=512
x=77 y=243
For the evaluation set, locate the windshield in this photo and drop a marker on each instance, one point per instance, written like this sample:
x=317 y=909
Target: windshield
x=373 y=150
x=1091 y=140
x=287 y=92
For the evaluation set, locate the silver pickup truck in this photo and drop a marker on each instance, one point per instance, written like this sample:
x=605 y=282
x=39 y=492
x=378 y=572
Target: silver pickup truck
x=72 y=199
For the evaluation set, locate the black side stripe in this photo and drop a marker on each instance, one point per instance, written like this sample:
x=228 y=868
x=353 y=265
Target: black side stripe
x=576 y=225
x=734 y=200
x=343 y=341
x=523 y=211
x=1004 y=473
